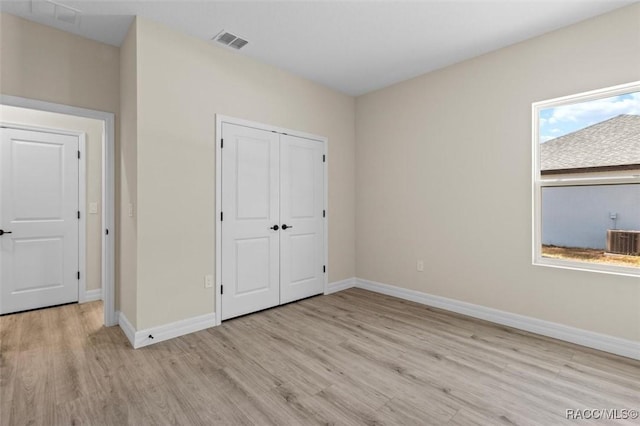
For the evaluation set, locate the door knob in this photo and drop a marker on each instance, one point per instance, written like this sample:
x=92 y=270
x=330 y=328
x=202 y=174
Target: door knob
x=5 y=232
x=285 y=226
x=275 y=227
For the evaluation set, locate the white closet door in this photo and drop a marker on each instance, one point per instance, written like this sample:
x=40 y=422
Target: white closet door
x=38 y=218
x=250 y=248
x=301 y=207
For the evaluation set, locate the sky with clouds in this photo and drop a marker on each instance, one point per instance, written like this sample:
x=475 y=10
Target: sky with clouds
x=559 y=121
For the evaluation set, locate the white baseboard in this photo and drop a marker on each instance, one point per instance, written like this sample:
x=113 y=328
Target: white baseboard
x=603 y=342
x=341 y=285
x=126 y=327
x=92 y=295
x=141 y=338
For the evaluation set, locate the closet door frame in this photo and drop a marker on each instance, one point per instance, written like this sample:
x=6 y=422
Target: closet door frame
x=218 y=243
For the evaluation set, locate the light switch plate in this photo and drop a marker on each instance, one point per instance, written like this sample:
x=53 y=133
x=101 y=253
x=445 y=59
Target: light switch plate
x=93 y=208
x=208 y=281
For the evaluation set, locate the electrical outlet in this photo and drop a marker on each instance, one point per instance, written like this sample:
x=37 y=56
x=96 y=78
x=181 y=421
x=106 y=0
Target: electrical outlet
x=420 y=265
x=130 y=210
x=208 y=281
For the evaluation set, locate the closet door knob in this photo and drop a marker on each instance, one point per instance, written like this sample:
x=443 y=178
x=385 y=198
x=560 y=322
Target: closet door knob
x=275 y=227
x=5 y=232
x=285 y=226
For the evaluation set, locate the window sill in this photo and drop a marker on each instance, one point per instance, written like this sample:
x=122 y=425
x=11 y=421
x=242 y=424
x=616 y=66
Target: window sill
x=628 y=271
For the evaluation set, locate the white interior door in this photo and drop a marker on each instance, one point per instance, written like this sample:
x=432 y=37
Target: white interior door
x=250 y=247
x=301 y=216
x=39 y=220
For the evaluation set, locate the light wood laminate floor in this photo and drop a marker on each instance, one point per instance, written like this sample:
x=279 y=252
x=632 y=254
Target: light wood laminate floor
x=350 y=358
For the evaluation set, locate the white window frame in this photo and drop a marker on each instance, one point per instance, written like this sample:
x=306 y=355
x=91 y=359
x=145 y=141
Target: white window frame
x=604 y=178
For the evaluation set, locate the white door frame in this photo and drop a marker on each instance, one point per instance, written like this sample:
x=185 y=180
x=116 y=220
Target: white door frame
x=218 y=249
x=82 y=196
x=108 y=191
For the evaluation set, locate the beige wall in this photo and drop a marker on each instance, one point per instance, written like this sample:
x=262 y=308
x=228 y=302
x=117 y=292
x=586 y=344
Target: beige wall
x=127 y=294
x=444 y=174
x=93 y=130
x=182 y=83
x=40 y=62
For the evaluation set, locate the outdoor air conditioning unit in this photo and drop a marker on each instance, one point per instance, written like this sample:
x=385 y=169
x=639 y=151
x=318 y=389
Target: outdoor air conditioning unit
x=623 y=242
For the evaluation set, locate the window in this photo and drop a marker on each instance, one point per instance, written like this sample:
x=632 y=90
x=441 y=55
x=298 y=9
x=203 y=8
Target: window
x=586 y=179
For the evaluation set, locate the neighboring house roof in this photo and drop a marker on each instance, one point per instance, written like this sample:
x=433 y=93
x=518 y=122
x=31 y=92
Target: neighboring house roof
x=609 y=145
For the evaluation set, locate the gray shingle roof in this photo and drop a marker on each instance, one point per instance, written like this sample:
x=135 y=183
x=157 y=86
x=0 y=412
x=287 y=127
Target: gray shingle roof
x=614 y=142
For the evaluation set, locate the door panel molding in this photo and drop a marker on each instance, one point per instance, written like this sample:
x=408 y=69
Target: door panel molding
x=82 y=197
x=220 y=119
x=301 y=207
x=40 y=226
x=250 y=182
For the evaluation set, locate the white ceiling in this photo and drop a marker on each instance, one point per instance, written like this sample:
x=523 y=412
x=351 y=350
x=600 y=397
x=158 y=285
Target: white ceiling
x=351 y=46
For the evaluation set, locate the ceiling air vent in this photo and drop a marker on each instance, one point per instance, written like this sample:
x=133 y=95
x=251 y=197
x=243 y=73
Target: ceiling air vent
x=230 y=40
x=56 y=11
x=238 y=43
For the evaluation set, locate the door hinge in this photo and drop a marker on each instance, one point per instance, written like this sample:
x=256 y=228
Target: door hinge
x=324 y=269
x=324 y=213
x=106 y=232
x=221 y=216
x=324 y=158
x=78 y=274
x=221 y=289
x=78 y=155
x=78 y=214
x=221 y=143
